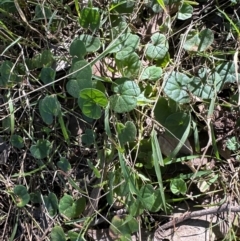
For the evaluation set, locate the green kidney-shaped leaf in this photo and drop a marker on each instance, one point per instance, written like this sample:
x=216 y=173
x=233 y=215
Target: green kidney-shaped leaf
x=128 y=64
x=178 y=185
x=158 y=48
x=17 y=141
x=151 y=73
x=90 y=18
x=81 y=79
x=199 y=41
x=42 y=12
x=51 y=203
x=71 y=208
x=185 y=12
x=177 y=123
x=91 y=43
x=64 y=164
x=41 y=149
x=227 y=72
x=90 y=101
x=151 y=199
x=126 y=95
x=125 y=41
x=123 y=226
x=77 y=48
x=47 y=75
x=176 y=86
x=49 y=107
x=57 y=234
x=22 y=195
x=45 y=59
x=88 y=137
x=127 y=132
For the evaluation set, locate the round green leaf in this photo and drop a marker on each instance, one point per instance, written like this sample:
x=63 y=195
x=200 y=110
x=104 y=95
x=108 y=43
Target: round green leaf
x=49 y=107
x=51 y=203
x=41 y=149
x=47 y=75
x=127 y=132
x=71 y=208
x=125 y=41
x=91 y=43
x=128 y=64
x=77 y=48
x=178 y=185
x=64 y=164
x=80 y=79
x=88 y=137
x=185 y=12
x=125 y=99
x=90 y=100
x=151 y=73
x=22 y=195
x=17 y=141
x=177 y=123
x=226 y=70
x=158 y=48
x=123 y=226
x=176 y=86
x=57 y=234
x=151 y=198
x=90 y=18
x=199 y=41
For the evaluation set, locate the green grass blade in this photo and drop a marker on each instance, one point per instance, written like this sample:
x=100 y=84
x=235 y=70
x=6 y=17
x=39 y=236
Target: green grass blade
x=63 y=128
x=158 y=160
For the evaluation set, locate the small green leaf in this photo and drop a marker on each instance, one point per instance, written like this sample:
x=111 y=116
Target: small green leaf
x=151 y=73
x=80 y=79
x=47 y=75
x=45 y=59
x=232 y=144
x=22 y=196
x=90 y=101
x=95 y=170
x=71 y=208
x=126 y=42
x=48 y=108
x=158 y=48
x=51 y=203
x=176 y=86
x=64 y=164
x=185 y=12
x=126 y=133
x=17 y=141
x=128 y=64
x=123 y=226
x=178 y=185
x=88 y=137
x=91 y=43
x=199 y=41
x=90 y=18
x=126 y=95
x=77 y=48
x=57 y=234
x=41 y=149
x=42 y=12
x=227 y=72
x=151 y=198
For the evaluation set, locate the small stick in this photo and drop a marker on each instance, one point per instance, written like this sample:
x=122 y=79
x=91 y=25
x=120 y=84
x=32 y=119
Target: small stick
x=223 y=208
